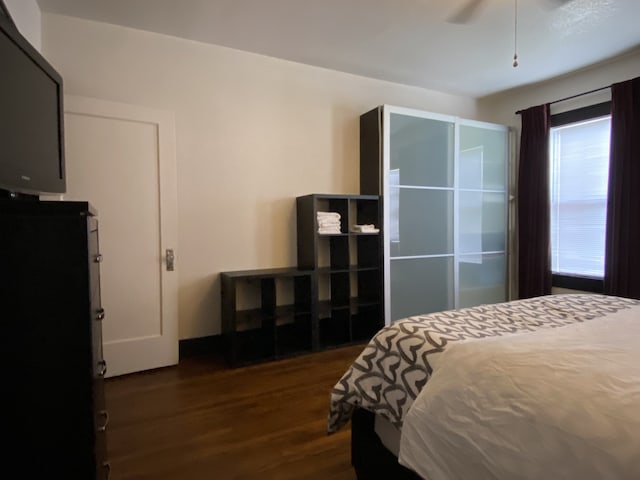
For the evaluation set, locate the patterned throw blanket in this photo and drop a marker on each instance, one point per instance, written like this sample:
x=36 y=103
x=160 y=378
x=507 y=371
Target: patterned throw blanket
x=395 y=365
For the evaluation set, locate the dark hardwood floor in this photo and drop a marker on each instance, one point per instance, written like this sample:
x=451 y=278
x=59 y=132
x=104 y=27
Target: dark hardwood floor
x=200 y=420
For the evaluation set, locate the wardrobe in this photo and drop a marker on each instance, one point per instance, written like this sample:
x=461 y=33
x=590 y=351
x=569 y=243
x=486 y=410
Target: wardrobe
x=443 y=183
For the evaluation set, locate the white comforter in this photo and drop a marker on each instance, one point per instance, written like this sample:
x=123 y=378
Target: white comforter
x=552 y=404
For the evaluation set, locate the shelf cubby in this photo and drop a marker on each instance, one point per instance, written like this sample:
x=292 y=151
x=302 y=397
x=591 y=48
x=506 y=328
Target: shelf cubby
x=335 y=330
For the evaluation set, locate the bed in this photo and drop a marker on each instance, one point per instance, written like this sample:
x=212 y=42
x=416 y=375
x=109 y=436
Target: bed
x=547 y=387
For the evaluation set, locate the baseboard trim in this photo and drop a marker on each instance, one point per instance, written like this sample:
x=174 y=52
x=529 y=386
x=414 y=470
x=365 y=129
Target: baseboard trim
x=195 y=347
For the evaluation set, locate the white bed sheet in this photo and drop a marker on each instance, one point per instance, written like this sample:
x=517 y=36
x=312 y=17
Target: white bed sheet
x=561 y=403
x=388 y=434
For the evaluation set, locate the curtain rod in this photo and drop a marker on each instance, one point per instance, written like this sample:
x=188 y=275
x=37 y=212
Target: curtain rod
x=573 y=96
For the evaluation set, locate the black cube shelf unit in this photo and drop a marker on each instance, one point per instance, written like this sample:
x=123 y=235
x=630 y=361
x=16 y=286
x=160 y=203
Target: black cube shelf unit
x=348 y=265
x=267 y=314
x=333 y=298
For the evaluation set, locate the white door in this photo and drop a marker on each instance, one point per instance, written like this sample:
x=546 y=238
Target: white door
x=121 y=158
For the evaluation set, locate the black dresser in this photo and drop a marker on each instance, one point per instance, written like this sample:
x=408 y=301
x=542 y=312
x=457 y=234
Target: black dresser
x=54 y=418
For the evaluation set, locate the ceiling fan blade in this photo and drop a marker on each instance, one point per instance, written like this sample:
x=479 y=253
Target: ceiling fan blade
x=467 y=12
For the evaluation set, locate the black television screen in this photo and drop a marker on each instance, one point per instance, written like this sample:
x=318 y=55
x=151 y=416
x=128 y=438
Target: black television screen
x=31 y=117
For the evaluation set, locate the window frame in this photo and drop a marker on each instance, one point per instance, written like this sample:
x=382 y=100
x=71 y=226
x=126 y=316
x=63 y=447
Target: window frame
x=579 y=282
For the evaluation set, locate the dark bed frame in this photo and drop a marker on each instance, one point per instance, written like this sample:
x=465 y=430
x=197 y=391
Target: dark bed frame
x=369 y=457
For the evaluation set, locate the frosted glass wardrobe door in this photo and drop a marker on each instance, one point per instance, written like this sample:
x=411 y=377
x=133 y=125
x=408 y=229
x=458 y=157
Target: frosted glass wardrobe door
x=482 y=157
x=421 y=222
x=421 y=150
x=420 y=286
x=482 y=279
x=482 y=222
x=482 y=214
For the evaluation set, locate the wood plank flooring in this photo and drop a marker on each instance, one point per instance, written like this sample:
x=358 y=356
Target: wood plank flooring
x=200 y=420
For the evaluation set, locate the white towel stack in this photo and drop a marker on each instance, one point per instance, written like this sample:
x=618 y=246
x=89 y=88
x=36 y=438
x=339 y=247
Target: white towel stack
x=328 y=222
x=366 y=228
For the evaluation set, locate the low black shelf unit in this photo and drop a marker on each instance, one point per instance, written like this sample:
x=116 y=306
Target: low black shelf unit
x=267 y=314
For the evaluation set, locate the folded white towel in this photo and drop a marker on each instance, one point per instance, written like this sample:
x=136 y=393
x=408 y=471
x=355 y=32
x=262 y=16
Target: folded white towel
x=328 y=215
x=329 y=223
x=328 y=230
x=366 y=228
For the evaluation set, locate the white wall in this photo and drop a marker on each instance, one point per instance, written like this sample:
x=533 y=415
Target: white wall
x=26 y=15
x=253 y=133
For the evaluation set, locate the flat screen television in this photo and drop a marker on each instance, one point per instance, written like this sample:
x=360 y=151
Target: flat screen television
x=31 y=117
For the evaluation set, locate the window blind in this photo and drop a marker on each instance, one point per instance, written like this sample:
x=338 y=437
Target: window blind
x=579 y=173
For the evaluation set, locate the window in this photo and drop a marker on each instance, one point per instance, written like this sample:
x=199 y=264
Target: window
x=579 y=172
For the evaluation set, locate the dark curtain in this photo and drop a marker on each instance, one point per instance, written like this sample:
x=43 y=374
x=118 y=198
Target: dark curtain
x=534 y=244
x=622 y=253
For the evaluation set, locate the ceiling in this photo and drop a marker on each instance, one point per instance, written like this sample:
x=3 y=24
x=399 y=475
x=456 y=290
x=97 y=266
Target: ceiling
x=414 y=42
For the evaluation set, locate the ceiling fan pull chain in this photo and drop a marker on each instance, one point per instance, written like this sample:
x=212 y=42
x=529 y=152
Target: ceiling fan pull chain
x=515 y=36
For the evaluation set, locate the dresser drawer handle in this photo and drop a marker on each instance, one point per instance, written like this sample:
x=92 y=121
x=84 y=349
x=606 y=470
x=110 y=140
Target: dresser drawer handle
x=100 y=314
x=104 y=414
x=103 y=368
x=107 y=467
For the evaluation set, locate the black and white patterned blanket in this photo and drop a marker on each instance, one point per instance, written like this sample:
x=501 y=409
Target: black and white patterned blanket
x=394 y=367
